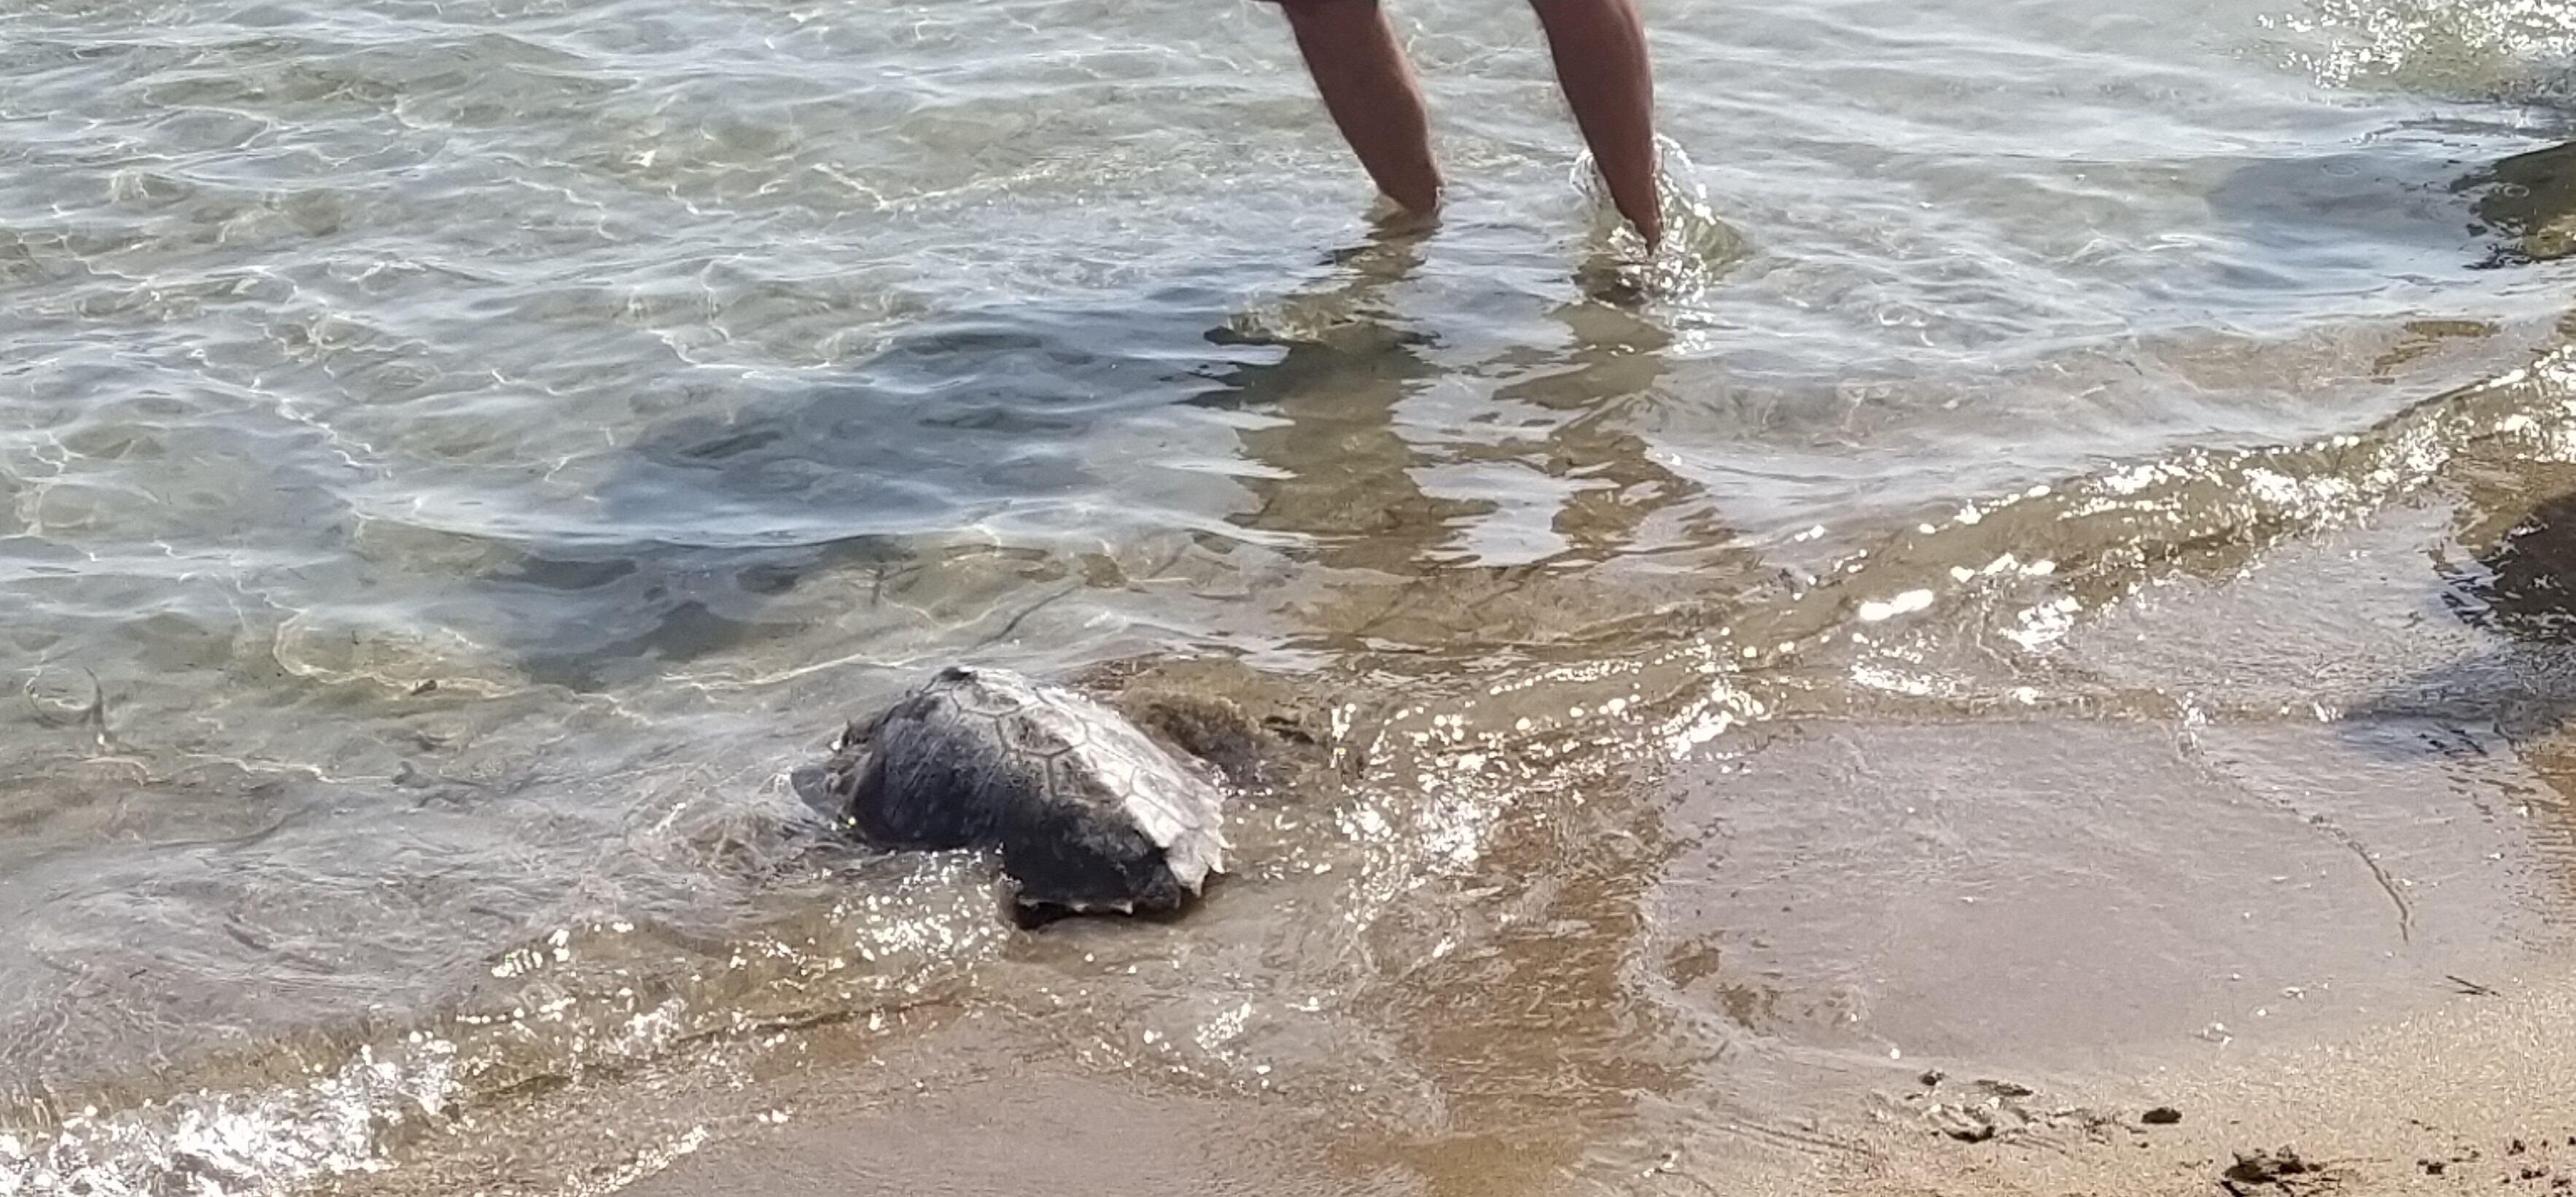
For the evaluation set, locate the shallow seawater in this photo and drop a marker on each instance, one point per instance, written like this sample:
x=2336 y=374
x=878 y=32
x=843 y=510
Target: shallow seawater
x=2060 y=564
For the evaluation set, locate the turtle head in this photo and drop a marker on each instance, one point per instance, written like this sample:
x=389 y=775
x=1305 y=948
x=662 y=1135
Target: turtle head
x=825 y=786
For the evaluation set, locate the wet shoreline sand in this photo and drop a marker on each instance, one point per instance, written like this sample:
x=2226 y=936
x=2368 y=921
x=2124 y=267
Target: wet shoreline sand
x=2476 y=1093
x=2472 y=1093
x=2032 y=1070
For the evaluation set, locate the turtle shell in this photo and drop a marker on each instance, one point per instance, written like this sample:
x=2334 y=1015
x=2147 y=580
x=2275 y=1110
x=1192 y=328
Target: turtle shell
x=1089 y=814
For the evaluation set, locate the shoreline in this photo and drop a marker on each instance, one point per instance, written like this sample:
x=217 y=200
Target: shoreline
x=2475 y=1093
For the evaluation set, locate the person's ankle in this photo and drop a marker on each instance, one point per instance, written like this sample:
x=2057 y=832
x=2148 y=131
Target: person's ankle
x=1393 y=217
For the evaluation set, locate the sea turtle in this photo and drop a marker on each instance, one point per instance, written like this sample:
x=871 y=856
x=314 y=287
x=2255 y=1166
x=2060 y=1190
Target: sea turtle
x=1089 y=814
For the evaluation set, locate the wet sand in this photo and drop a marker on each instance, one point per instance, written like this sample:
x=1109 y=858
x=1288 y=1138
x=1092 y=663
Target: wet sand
x=1046 y=1129
x=2475 y=1093
x=2054 y=1018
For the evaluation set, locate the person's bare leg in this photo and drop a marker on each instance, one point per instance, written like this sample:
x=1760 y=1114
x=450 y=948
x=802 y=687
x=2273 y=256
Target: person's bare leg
x=1600 y=51
x=1368 y=86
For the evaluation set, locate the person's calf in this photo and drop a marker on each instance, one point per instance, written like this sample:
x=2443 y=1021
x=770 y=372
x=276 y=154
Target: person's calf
x=1600 y=52
x=1368 y=86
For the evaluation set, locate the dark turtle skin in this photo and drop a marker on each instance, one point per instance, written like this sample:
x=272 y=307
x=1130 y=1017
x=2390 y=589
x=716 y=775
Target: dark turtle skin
x=1089 y=815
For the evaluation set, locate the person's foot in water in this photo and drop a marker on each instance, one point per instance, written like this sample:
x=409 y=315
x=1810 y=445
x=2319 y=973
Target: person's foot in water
x=1369 y=87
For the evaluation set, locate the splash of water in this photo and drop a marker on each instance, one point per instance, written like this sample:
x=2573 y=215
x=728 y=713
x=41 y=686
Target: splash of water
x=1698 y=249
